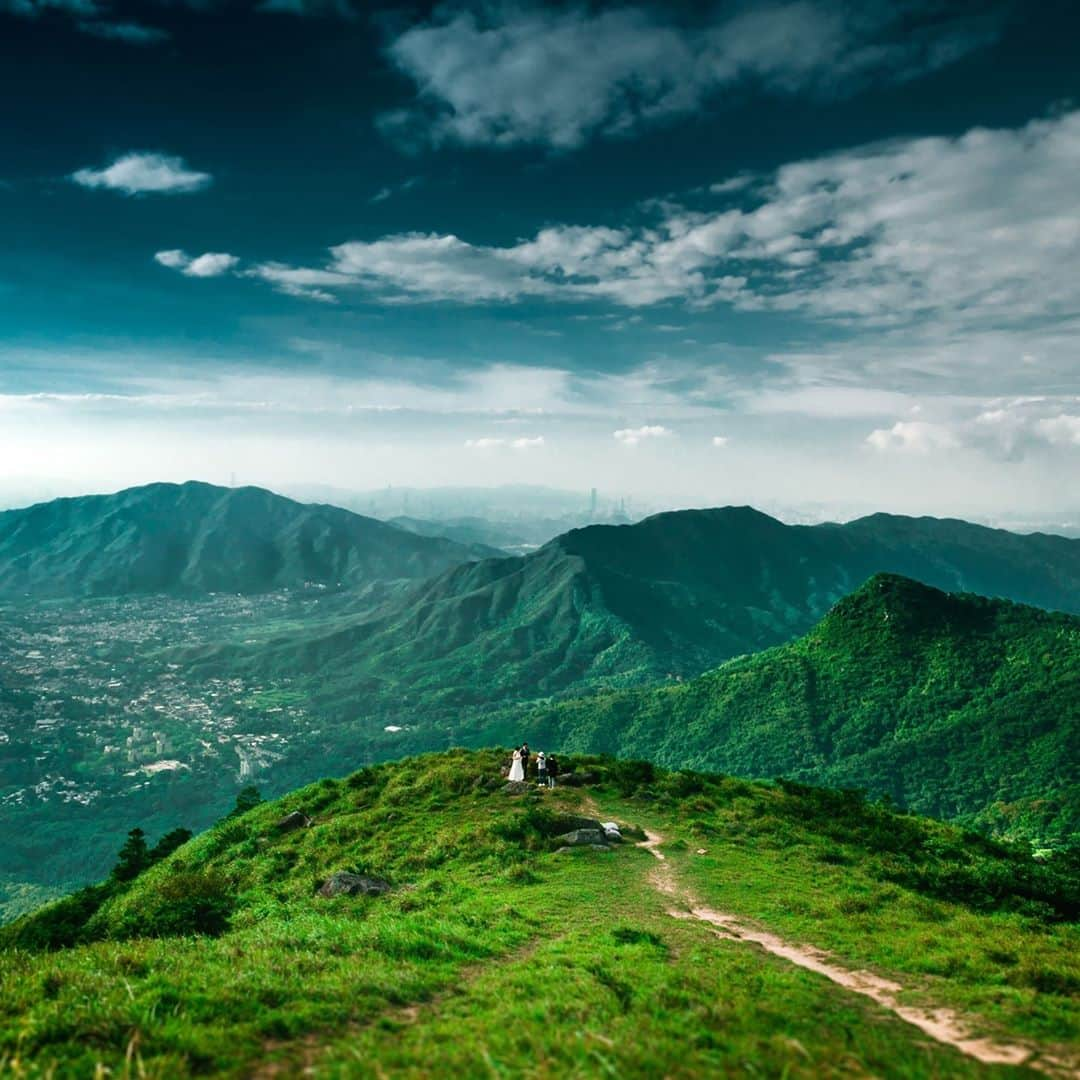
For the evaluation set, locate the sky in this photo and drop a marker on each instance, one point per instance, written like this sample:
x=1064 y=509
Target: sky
x=804 y=254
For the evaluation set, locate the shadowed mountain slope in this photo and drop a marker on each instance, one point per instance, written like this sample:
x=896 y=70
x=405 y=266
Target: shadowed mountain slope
x=196 y=538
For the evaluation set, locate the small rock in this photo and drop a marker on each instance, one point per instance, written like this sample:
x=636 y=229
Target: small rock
x=583 y=847
x=702 y=851
x=517 y=787
x=293 y=821
x=345 y=884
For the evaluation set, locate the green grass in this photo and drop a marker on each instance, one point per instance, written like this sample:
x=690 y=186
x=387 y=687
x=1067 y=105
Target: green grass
x=493 y=956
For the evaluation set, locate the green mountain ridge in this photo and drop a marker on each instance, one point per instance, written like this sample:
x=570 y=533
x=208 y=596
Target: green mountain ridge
x=486 y=950
x=196 y=538
x=608 y=606
x=957 y=706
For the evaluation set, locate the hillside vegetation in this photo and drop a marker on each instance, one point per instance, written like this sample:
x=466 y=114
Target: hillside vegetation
x=493 y=954
x=197 y=538
x=952 y=705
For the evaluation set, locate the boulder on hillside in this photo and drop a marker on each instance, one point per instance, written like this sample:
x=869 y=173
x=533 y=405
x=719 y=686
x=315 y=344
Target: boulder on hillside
x=292 y=822
x=577 y=779
x=566 y=850
x=516 y=787
x=346 y=884
x=582 y=837
x=564 y=823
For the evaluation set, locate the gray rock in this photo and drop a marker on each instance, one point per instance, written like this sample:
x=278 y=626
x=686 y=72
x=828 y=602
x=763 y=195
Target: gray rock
x=583 y=847
x=292 y=822
x=517 y=787
x=345 y=884
x=578 y=779
x=582 y=837
x=565 y=823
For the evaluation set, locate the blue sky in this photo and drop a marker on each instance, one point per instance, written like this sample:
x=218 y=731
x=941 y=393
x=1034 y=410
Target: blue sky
x=802 y=254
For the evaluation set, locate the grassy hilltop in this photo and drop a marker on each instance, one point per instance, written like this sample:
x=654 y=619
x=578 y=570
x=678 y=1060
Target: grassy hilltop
x=495 y=955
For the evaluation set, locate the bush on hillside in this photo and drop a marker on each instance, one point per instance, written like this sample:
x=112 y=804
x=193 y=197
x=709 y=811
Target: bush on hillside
x=630 y=777
x=180 y=903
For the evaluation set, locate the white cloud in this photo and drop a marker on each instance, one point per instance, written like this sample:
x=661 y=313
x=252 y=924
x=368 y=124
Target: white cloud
x=299 y=281
x=633 y=436
x=720 y=441
x=510 y=73
x=1002 y=429
x=209 y=264
x=144 y=173
x=913 y=436
x=494 y=442
x=828 y=400
x=174 y=259
x=1061 y=430
x=979 y=231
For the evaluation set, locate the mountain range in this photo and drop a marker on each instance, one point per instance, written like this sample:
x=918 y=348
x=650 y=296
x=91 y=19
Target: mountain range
x=197 y=538
x=142 y=706
x=608 y=606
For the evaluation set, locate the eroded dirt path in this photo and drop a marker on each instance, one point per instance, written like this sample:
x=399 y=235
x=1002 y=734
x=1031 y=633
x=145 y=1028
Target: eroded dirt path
x=943 y=1025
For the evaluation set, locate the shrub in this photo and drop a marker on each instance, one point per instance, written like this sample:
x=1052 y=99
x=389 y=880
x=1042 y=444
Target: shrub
x=188 y=902
x=629 y=777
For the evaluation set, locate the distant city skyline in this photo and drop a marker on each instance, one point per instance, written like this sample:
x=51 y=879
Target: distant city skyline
x=814 y=257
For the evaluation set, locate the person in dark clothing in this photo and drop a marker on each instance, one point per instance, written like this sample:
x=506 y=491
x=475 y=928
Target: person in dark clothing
x=525 y=759
x=552 y=770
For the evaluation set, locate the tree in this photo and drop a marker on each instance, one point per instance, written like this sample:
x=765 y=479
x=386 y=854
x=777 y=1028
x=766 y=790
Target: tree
x=168 y=844
x=247 y=799
x=133 y=858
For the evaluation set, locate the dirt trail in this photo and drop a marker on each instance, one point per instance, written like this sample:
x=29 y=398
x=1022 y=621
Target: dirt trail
x=943 y=1025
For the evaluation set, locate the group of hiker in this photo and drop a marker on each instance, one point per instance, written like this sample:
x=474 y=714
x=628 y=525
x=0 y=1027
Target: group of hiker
x=547 y=768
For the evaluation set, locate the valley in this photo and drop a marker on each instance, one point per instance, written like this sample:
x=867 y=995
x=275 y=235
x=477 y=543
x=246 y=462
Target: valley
x=98 y=727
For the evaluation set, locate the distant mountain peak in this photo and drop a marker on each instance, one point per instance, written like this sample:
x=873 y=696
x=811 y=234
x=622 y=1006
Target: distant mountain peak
x=195 y=537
